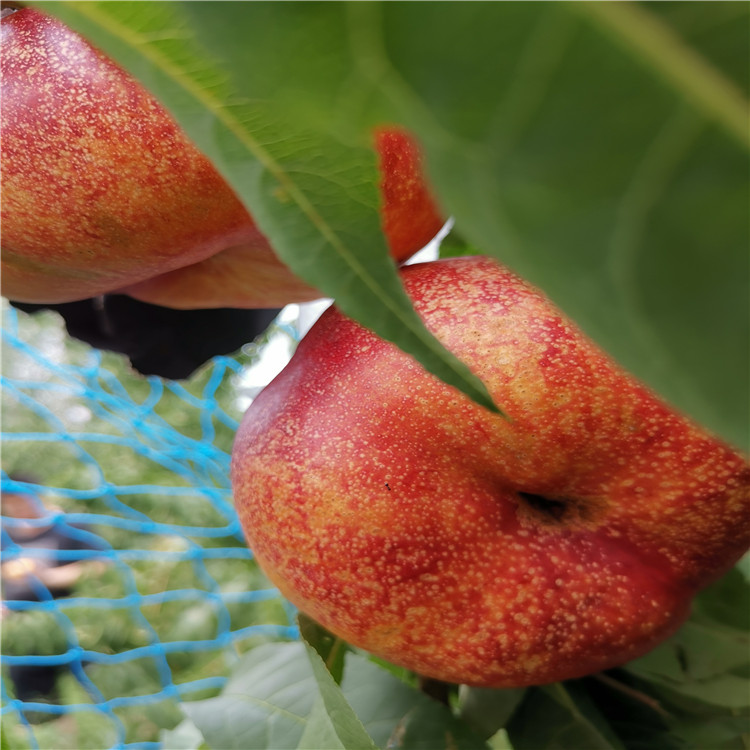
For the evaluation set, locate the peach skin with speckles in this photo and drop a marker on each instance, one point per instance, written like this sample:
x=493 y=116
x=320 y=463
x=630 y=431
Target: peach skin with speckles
x=410 y=221
x=566 y=539
x=103 y=192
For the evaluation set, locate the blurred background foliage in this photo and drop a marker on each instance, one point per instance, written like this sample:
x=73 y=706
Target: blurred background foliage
x=99 y=464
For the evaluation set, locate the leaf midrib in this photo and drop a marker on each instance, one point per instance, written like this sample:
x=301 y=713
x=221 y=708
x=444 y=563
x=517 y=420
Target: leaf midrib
x=140 y=42
x=689 y=73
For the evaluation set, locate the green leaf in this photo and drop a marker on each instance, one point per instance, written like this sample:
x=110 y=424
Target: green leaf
x=312 y=193
x=401 y=673
x=727 y=601
x=428 y=727
x=664 y=52
x=570 y=720
x=600 y=150
x=724 y=691
x=334 y=720
x=500 y=741
x=719 y=733
x=331 y=649
x=487 y=710
x=280 y=696
x=397 y=715
x=633 y=710
x=378 y=697
x=699 y=650
x=185 y=736
x=319 y=731
x=588 y=170
x=265 y=704
x=701 y=661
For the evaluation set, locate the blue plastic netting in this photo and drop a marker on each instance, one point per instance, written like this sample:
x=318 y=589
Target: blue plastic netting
x=127 y=583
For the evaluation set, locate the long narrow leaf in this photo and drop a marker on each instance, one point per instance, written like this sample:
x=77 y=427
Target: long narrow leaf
x=312 y=195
